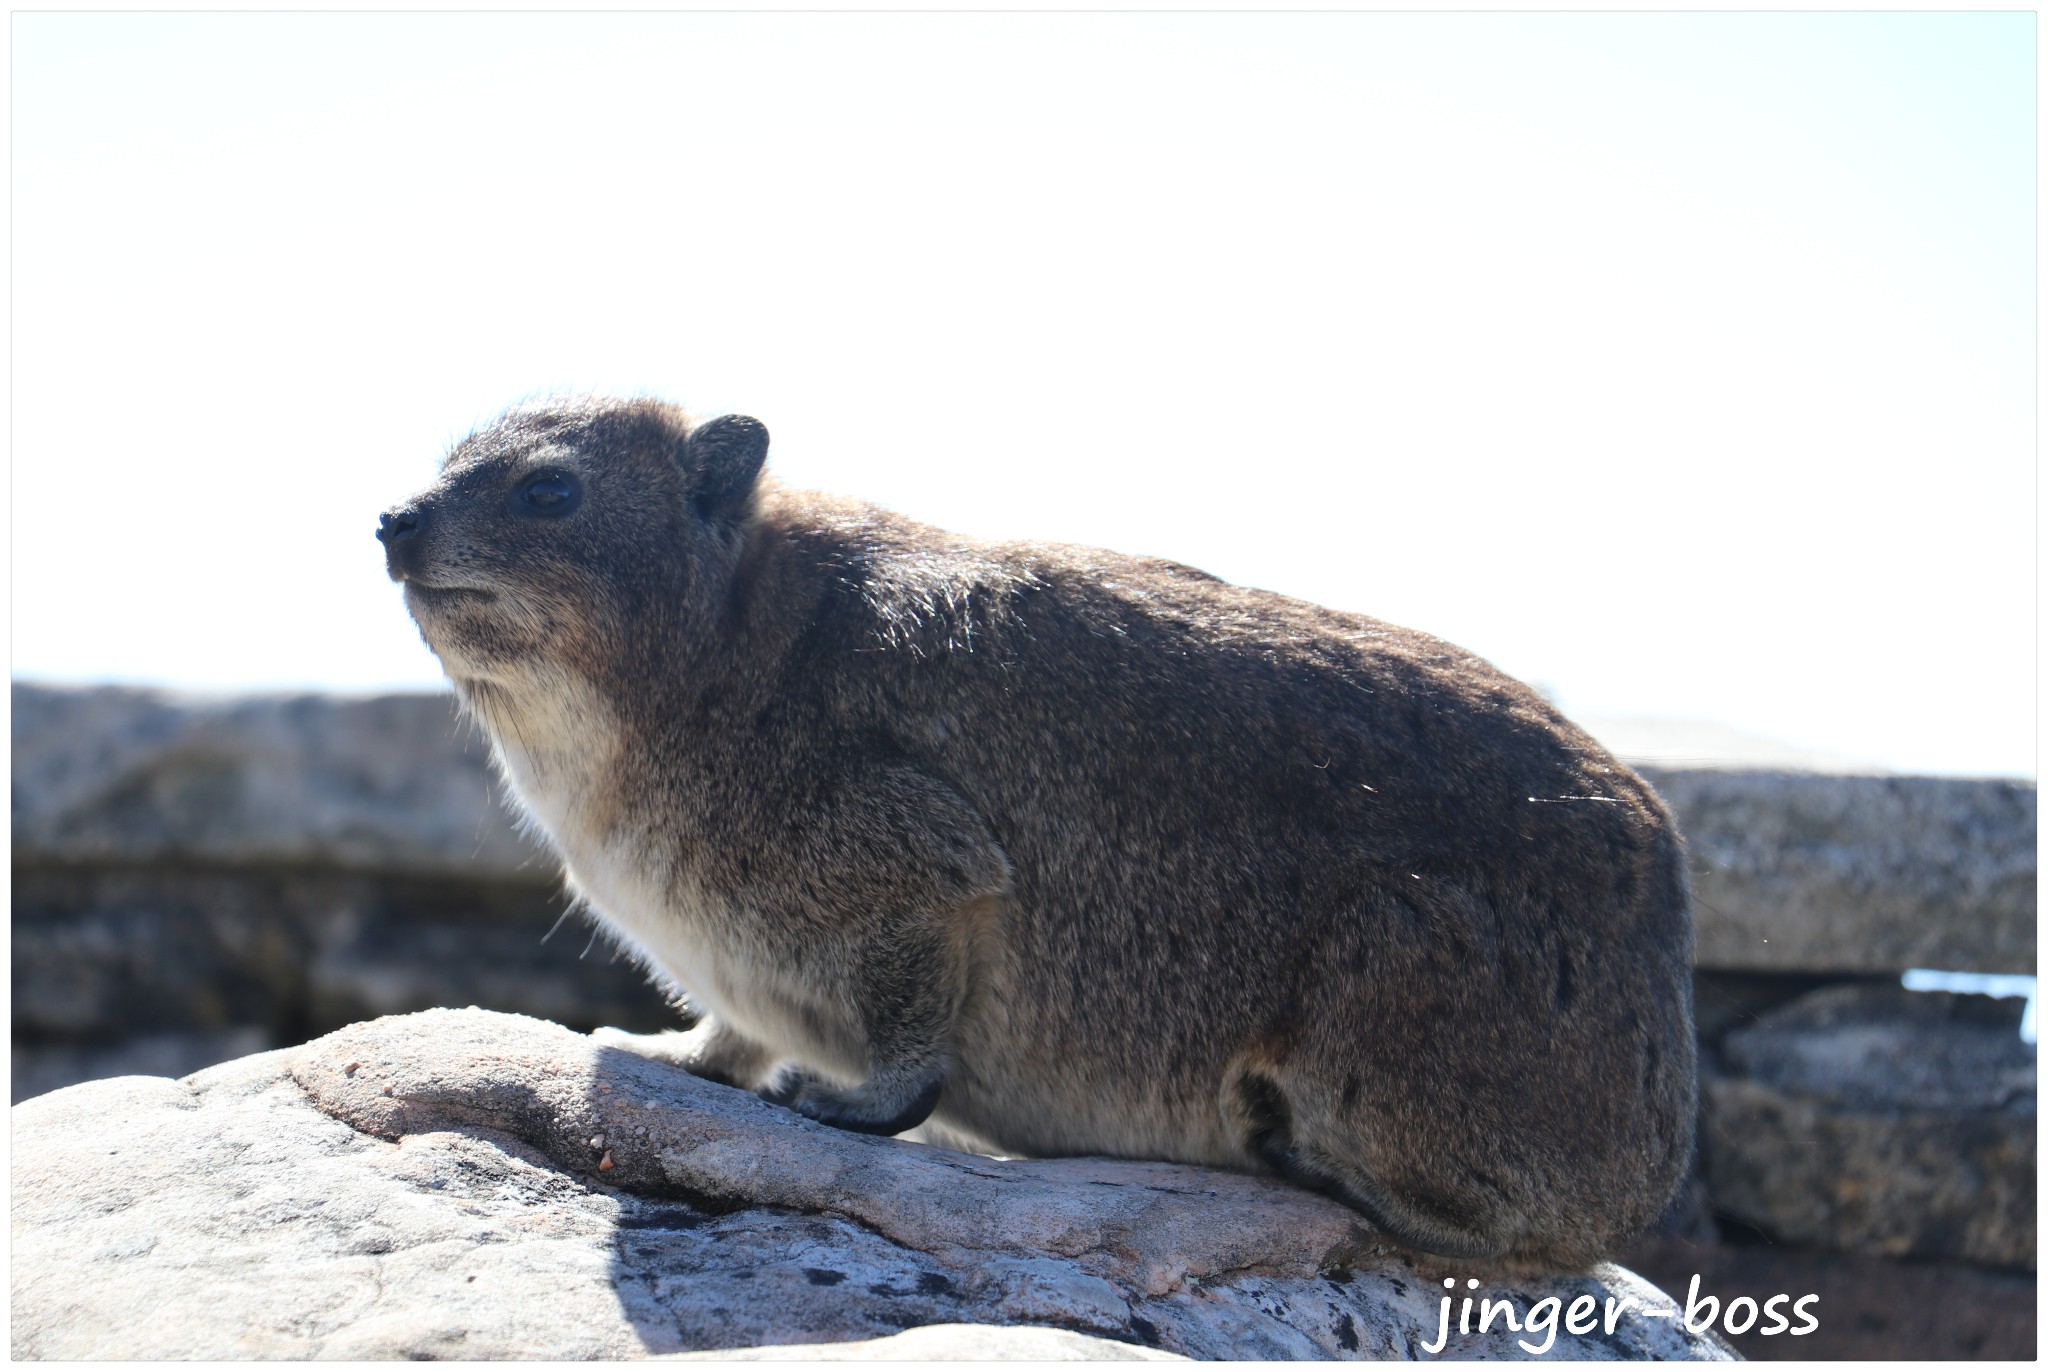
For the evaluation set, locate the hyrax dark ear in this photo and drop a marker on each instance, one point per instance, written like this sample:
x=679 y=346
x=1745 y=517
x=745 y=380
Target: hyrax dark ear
x=724 y=456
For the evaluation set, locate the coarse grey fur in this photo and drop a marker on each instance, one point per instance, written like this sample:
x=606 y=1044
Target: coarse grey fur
x=1069 y=851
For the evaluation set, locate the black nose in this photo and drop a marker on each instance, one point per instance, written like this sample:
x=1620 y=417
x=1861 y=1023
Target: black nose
x=395 y=526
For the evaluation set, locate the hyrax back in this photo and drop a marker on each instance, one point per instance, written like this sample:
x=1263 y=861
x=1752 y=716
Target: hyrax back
x=1069 y=851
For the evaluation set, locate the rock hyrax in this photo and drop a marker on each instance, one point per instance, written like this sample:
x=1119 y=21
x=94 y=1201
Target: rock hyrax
x=1070 y=851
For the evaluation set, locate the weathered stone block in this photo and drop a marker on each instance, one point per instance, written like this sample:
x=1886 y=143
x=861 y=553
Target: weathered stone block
x=104 y=953
x=1797 y=872
x=1878 y=1120
x=391 y=783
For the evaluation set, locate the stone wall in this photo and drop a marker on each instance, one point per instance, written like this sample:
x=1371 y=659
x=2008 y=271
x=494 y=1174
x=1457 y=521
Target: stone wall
x=1858 y=1140
x=196 y=879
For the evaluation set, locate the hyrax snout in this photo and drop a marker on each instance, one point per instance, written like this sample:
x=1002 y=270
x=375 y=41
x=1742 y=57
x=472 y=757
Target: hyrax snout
x=1068 y=851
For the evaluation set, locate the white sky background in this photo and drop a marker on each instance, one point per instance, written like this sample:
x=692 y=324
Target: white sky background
x=1683 y=364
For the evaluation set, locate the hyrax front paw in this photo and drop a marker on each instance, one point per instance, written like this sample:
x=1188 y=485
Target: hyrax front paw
x=670 y=1045
x=785 y=1086
x=870 y=1108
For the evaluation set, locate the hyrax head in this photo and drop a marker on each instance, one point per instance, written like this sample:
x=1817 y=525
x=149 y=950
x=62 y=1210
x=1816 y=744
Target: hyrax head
x=572 y=535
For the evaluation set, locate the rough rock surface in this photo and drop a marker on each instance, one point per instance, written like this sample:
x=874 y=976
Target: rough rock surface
x=1842 y=874
x=1878 y=1120
x=393 y=783
x=435 y=1185
x=103 y=953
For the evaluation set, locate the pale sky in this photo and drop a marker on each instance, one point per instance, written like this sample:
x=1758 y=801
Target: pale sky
x=1682 y=364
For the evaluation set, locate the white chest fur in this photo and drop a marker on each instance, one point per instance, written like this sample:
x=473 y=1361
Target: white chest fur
x=562 y=753
x=559 y=747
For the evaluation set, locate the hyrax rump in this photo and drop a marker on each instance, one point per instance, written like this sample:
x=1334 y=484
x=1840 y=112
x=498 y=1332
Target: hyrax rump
x=1071 y=852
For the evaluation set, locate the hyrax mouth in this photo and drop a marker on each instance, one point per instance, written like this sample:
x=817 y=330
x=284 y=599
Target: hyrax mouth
x=427 y=593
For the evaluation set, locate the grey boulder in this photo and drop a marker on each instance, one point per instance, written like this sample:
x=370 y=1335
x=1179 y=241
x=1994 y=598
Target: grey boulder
x=478 y=1185
x=1878 y=1120
x=394 y=783
x=1795 y=872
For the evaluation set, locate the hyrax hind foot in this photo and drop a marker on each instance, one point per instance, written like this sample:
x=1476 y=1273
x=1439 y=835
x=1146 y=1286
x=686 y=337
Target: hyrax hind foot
x=1452 y=1227
x=1405 y=1221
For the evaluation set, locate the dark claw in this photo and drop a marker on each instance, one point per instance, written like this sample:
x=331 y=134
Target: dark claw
x=785 y=1090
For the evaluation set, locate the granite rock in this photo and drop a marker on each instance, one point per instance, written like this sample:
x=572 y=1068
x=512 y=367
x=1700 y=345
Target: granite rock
x=392 y=783
x=1797 y=872
x=108 y=959
x=1877 y=1120
x=474 y=1185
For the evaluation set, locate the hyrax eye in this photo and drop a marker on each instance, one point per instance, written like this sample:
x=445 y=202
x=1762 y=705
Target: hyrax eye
x=548 y=495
